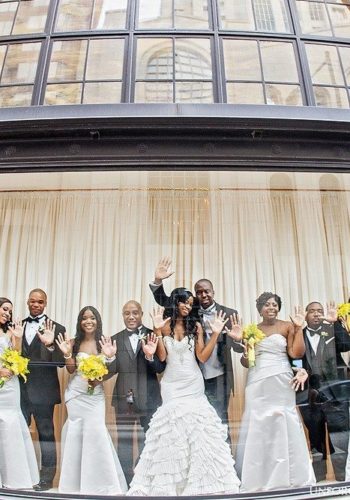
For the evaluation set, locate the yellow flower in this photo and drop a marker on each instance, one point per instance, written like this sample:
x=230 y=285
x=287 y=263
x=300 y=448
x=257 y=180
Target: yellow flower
x=252 y=335
x=15 y=362
x=92 y=368
x=343 y=311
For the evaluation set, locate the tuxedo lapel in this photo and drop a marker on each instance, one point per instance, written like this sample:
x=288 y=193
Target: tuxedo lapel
x=308 y=349
x=128 y=345
x=321 y=346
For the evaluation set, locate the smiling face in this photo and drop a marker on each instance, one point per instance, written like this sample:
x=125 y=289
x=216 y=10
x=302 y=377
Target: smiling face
x=88 y=322
x=184 y=308
x=205 y=293
x=314 y=315
x=36 y=302
x=5 y=313
x=132 y=315
x=270 y=309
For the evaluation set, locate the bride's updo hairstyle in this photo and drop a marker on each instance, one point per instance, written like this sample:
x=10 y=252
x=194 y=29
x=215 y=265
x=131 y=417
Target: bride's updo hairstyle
x=172 y=310
x=264 y=297
x=79 y=336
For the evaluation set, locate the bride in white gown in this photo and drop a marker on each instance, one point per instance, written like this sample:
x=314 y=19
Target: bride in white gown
x=90 y=464
x=185 y=451
x=18 y=465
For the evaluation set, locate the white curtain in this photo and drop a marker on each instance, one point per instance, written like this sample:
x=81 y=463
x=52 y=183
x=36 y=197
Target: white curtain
x=100 y=248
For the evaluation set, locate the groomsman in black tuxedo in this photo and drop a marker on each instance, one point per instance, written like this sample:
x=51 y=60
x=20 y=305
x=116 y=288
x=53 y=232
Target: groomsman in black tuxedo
x=137 y=367
x=41 y=392
x=320 y=407
x=217 y=371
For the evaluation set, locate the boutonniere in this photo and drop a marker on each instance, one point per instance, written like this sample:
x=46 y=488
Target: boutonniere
x=41 y=328
x=324 y=334
x=141 y=336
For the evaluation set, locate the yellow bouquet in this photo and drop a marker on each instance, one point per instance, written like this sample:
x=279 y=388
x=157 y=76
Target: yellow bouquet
x=343 y=311
x=251 y=336
x=15 y=362
x=92 y=368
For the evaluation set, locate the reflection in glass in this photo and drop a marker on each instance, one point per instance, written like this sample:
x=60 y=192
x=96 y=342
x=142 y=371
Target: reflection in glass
x=340 y=19
x=67 y=60
x=67 y=93
x=20 y=63
x=331 y=97
x=245 y=93
x=154 y=58
x=192 y=59
x=31 y=17
x=102 y=92
x=345 y=59
x=194 y=92
x=109 y=14
x=7 y=15
x=153 y=92
x=286 y=95
x=169 y=14
x=254 y=15
x=74 y=15
x=105 y=59
x=278 y=60
x=242 y=60
x=16 y=96
x=313 y=18
x=324 y=64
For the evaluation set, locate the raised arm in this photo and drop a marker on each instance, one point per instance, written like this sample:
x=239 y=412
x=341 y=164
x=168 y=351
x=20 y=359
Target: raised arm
x=295 y=337
x=16 y=331
x=160 y=328
x=65 y=345
x=204 y=351
x=162 y=272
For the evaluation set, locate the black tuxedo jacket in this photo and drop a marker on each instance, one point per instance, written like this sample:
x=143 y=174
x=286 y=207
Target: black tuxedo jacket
x=136 y=373
x=224 y=341
x=42 y=386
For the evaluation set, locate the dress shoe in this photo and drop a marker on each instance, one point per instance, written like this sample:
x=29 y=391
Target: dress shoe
x=43 y=485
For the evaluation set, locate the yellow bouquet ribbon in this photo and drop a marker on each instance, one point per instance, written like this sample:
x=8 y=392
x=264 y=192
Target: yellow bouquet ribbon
x=343 y=311
x=15 y=362
x=252 y=335
x=92 y=367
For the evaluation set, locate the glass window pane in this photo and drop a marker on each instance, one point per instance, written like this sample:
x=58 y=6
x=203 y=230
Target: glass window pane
x=102 y=92
x=236 y=15
x=21 y=63
x=278 y=60
x=245 y=93
x=287 y=95
x=109 y=14
x=67 y=60
x=191 y=15
x=156 y=14
x=192 y=59
x=16 y=96
x=68 y=93
x=7 y=15
x=153 y=92
x=31 y=17
x=345 y=59
x=74 y=15
x=313 y=18
x=154 y=58
x=271 y=15
x=331 y=97
x=2 y=55
x=194 y=92
x=340 y=19
x=242 y=60
x=101 y=51
x=324 y=64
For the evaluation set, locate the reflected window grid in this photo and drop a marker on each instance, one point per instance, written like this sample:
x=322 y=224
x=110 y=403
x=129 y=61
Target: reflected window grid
x=324 y=17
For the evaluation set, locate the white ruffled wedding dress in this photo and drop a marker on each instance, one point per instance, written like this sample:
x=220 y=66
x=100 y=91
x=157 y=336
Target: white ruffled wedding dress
x=185 y=451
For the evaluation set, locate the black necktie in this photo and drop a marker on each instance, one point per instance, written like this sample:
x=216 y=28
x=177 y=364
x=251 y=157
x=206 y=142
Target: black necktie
x=32 y=320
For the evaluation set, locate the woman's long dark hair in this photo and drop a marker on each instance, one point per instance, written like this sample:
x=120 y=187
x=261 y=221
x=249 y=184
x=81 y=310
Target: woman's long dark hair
x=172 y=311
x=5 y=327
x=80 y=335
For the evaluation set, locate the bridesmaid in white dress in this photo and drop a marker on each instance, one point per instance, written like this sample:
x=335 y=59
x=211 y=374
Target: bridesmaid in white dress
x=272 y=451
x=185 y=451
x=18 y=465
x=90 y=464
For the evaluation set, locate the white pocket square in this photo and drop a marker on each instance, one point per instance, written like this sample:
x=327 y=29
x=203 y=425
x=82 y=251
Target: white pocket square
x=330 y=340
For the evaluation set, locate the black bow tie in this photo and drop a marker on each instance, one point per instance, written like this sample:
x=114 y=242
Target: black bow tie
x=33 y=320
x=131 y=332
x=314 y=332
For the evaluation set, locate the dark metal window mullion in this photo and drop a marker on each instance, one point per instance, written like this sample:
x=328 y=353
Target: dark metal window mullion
x=130 y=54
x=218 y=81
x=15 y=17
x=343 y=73
x=5 y=57
x=262 y=71
x=84 y=72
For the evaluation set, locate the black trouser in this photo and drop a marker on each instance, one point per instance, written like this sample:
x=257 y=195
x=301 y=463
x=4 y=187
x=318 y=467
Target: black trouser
x=125 y=427
x=216 y=392
x=335 y=416
x=43 y=416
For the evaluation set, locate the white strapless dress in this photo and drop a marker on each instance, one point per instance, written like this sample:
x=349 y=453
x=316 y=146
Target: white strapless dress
x=272 y=451
x=90 y=464
x=18 y=465
x=185 y=451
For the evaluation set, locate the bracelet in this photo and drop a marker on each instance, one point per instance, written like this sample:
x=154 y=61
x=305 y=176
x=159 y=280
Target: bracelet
x=110 y=360
x=67 y=357
x=159 y=336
